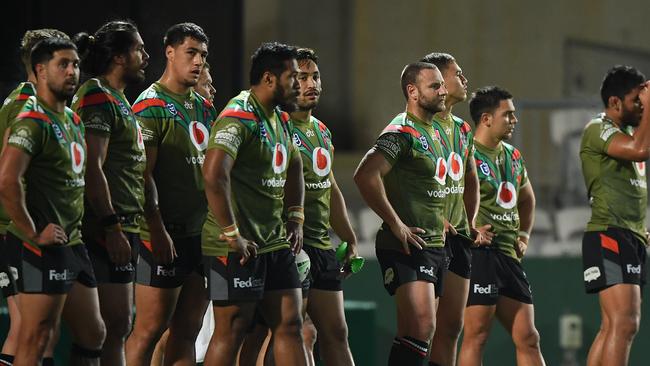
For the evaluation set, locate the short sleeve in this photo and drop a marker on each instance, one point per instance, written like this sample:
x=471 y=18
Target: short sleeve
x=393 y=146
x=150 y=130
x=229 y=134
x=97 y=120
x=26 y=135
x=598 y=136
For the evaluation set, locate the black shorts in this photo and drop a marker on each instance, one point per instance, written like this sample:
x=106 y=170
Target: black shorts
x=495 y=274
x=171 y=275
x=460 y=256
x=325 y=273
x=8 y=270
x=611 y=257
x=398 y=268
x=50 y=269
x=230 y=281
x=105 y=270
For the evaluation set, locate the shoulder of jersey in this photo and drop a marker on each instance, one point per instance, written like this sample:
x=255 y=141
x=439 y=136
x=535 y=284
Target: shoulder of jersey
x=462 y=124
x=516 y=154
x=92 y=93
x=150 y=104
x=20 y=94
x=236 y=110
x=32 y=111
x=321 y=126
x=205 y=103
x=401 y=124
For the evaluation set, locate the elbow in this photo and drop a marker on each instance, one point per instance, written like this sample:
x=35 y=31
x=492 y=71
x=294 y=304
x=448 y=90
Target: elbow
x=642 y=154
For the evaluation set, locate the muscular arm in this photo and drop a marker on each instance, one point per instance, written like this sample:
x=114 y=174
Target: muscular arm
x=151 y=211
x=97 y=192
x=526 y=208
x=368 y=177
x=472 y=195
x=636 y=147
x=295 y=196
x=13 y=165
x=339 y=215
x=216 y=175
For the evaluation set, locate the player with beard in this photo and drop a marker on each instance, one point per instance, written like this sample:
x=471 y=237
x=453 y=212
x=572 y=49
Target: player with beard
x=115 y=58
x=252 y=174
x=402 y=178
x=10 y=109
x=498 y=284
x=41 y=187
x=462 y=205
x=175 y=123
x=614 y=148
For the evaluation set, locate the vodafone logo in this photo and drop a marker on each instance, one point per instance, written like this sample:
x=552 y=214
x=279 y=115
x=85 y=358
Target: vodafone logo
x=139 y=139
x=279 y=162
x=455 y=166
x=640 y=168
x=199 y=135
x=507 y=195
x=441 y=171
x=321 y=162
x=77 y=157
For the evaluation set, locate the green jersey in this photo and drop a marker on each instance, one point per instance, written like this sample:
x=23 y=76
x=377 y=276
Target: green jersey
x=457 y=142
x=10 y=109
x=501 y=173
x=106 y=113
x=260 y=144
x=416 y=183
x=178 y=127
x=617 y=188
x=54 y=180
x=314 y=141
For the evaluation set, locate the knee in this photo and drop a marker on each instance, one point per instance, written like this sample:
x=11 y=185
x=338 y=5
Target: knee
x=449 y=328
x=118 y=327
x=309 y=334
x=289 y=327
x=93 y=336
x=627 y=325
x=476 y=336
x=337 y=333
x=528 y=339
x=38 y=336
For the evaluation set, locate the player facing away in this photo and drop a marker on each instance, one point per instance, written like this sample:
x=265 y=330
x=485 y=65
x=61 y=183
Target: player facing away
x=403 y=178
x=114 y=58
x=253 y=173
x=498 y=284
x=46 y=152
x=613 y=151
x=175 y=122
x=461 y=208
x=8 y=271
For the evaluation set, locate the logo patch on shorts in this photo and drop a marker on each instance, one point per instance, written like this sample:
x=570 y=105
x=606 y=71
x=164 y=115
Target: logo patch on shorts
x=4 y=280
x=633 y=269
x=389 y=276
x=592 y=274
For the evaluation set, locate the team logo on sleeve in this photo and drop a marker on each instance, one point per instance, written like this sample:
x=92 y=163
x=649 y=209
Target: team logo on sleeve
x=441 y=171
x=77 y=155
x=507 y=195
x=455 y=166
x=199 y=135
x=279 y=159
x=640 y=168
x=139 y=138
x=321 y=162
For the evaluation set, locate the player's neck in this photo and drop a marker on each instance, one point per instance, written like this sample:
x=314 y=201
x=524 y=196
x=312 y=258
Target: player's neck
x=173 y=84
x=614 y=118
x=31 y=78
x=449 y=105
x=264 y=98
x=50 y=100
x=421 y=113
x=483 y=137
x=115 y=80
x=301 y=115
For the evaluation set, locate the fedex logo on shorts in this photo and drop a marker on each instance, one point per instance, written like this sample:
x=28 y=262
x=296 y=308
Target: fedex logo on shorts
x=249 y=283
x=427 y=270
x=490 y=289
x=66 y=275
x=161 y=271
x=633 y=269
x=126 y=268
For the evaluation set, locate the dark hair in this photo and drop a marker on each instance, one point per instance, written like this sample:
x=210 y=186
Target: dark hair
x=619 y=81
x=177 y=33
x=441 y=60
x=44 y=50
x=270 y=56
x=111 y=39
x=486 y=100
x=411 y=72
x=304 y=54
x=31 y=38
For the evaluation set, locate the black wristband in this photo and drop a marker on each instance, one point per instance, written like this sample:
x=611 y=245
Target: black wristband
x=109 y=220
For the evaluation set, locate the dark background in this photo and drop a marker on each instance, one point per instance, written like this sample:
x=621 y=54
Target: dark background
x=221 y=20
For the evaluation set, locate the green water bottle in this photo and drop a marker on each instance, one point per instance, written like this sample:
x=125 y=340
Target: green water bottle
x=355 y=264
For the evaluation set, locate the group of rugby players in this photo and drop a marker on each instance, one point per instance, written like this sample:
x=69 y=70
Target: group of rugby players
x=203 y=210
